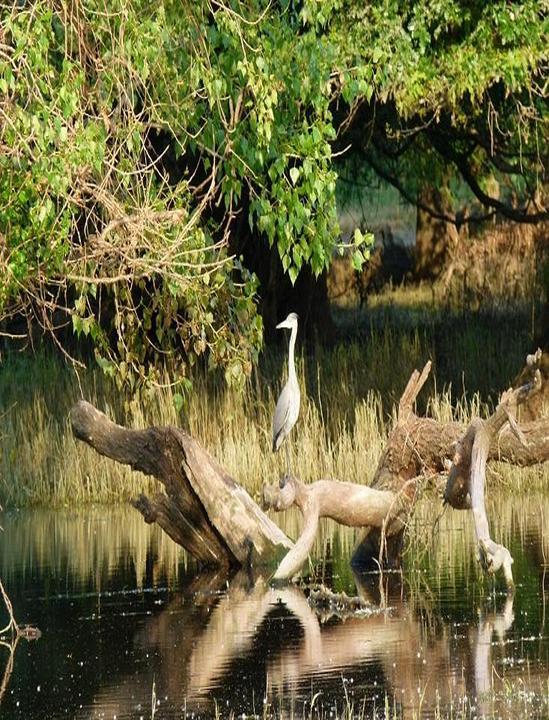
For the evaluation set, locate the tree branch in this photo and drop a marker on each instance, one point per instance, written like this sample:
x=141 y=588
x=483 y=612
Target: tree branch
x=468 y=472
x=202 y=509
x=461 y=162
x=413 y=200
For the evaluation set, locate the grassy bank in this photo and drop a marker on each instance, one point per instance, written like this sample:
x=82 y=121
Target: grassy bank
x=348 y=395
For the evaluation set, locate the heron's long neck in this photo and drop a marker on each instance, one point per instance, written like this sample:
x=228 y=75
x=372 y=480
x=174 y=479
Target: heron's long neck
x=291 y=360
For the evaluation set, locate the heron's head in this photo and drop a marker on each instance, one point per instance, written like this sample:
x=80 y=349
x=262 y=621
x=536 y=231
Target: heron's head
x=290 y=322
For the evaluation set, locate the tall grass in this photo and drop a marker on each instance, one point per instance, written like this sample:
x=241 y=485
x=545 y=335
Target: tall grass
x=348 y=393
x=40 y=462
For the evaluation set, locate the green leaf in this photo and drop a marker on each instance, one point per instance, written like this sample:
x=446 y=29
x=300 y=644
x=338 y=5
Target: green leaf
x=77 y=325
x=293 y=272
x=178 y=402
x=357 y=260
x=294 y=174
x=358 y=237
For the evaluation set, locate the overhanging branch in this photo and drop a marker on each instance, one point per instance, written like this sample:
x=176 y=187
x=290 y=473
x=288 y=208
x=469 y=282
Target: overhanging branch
x=409 y=197
x=521 y=215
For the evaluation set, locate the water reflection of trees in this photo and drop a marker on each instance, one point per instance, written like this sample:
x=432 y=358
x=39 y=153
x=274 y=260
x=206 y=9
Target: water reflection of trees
x=248 y=642
x=223 y=649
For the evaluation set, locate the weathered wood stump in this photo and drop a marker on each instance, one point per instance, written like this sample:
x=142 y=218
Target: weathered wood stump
x=202 y=509
x=419 y=447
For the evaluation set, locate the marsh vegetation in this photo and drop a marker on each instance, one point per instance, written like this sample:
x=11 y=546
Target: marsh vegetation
x=174 y=180
x=348 y=394
x=100 y=569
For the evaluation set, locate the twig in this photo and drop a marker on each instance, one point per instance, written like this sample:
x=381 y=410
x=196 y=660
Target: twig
x=389 y=516
x=12 y=625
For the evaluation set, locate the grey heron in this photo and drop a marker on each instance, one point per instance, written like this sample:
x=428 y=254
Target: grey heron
x=287 y=407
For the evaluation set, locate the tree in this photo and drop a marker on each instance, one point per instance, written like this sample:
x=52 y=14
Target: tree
x=145 y=149
x=447 y=90
x=130 y=134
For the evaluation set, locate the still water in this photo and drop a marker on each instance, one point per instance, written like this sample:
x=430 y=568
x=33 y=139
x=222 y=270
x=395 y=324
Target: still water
x=130 y=629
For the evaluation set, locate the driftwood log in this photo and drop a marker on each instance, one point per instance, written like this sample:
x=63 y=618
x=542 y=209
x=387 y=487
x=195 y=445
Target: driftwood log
x=419 y=448
x=467 y=476
x=346 y=503
x=202 y=509
x=215 y=520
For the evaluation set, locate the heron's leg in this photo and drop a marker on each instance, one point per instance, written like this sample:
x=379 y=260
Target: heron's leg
x=287 y=448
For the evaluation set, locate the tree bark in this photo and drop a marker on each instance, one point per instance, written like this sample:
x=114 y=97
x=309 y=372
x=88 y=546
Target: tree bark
x=202 y=509
x=434 y=236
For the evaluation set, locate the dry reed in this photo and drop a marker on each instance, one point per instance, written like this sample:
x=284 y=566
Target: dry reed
x=348 y=396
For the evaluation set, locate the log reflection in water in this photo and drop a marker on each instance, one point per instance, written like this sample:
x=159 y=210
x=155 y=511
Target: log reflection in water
x=199 y=640
x=500 y=624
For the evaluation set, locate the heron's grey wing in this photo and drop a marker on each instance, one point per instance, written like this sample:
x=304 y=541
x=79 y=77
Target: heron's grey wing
x=281 y=413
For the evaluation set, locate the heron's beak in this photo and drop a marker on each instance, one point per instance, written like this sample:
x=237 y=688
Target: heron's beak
x=282 y=325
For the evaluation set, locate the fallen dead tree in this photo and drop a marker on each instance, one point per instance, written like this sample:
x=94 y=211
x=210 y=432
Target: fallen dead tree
x=215 y=520
x=202 y=508
x=346 y=503
x=419 y=448
x=467 y=476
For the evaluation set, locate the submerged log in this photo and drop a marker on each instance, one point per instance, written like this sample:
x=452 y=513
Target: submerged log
x=202 y=509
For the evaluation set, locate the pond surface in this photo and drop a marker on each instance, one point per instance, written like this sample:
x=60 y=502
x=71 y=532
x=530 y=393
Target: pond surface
x=128 y=623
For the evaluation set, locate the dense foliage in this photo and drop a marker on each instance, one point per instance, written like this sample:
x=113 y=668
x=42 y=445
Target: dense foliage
x=135 y=137
x=459 y=90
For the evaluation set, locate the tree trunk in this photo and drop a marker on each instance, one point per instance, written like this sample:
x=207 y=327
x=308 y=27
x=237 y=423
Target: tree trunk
x=419 y=447
x=202 y=509
x=277 y=296
x=434 y=236
x=542 y=321
x=468 y=471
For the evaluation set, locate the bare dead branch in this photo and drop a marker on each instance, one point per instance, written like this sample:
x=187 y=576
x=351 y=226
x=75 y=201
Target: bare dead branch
x=468 y=470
